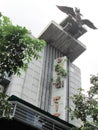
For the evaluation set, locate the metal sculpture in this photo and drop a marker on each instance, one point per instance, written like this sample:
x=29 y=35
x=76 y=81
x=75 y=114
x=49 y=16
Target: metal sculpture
x=75 y=13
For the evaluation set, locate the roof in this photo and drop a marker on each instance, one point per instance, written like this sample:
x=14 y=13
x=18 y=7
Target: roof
x=55 y=35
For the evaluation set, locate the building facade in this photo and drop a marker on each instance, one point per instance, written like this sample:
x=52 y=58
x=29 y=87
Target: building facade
x=37 y=84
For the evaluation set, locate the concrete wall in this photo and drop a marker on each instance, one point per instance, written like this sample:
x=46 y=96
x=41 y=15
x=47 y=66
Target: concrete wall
x=74 y=84
x=28 y=84
x=34 y=85
x=50 y=53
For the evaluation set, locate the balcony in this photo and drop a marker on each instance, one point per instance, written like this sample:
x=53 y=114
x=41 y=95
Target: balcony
x=28 y=115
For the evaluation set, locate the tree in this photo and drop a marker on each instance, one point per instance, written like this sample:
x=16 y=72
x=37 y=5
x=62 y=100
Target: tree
x=17 y=47
x=86 y=106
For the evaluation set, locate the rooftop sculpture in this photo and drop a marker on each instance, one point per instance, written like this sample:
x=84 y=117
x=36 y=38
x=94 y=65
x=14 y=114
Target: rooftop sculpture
x=77 y=16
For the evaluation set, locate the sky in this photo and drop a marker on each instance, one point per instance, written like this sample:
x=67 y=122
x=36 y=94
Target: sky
x=35 y=15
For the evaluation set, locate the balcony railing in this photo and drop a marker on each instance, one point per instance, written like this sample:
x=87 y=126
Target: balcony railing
x=36 y=117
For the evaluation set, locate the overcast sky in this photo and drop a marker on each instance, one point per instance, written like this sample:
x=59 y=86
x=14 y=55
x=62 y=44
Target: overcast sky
x=35 y=15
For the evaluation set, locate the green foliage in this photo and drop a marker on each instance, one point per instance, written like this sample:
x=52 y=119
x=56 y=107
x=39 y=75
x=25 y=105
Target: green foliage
x=60 y=69
x=5 y=106
x=86 y=106
x=17 y=47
